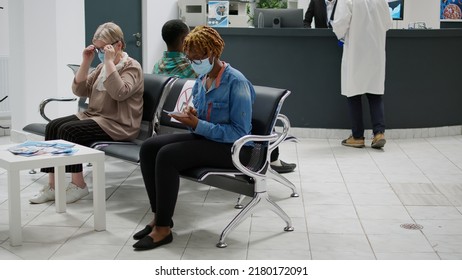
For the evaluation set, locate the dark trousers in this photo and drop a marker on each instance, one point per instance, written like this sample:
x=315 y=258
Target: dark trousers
x=376 y=109
x=72 y=129
x=163 y=157
x=274 y=155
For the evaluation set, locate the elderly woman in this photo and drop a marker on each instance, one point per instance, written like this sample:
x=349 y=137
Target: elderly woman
x=115 y=93
x=222 y=113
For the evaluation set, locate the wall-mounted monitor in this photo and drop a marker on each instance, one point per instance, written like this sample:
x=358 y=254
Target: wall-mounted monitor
x=396 y=9
x=278 y=18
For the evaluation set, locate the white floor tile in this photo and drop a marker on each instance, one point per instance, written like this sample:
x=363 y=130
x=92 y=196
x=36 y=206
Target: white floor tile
x=352 y=243
x=331 y=211
x=450 y=227
x=351 y=207
x=407 y=256
x=75 y=251
x=228 y=253
x=329 y=255
x=32 y=251
x=445 y=243
x=434 y=212
x=257 y=254
x=279 y=240
x=339 y=226
x=162 y=253
x=424 y=199
x=375 y=199
x=376 y=212
x=400 y=243
x=387 y=226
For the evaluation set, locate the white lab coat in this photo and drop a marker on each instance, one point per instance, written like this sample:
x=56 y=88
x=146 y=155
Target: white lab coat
x=362 y=24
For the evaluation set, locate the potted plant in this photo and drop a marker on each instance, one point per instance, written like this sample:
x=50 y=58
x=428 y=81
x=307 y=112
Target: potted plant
x=272 y=4
x=264 y=4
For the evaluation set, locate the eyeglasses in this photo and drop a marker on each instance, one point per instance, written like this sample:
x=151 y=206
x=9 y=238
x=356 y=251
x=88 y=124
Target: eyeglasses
x=101 y=50
x=197 y=61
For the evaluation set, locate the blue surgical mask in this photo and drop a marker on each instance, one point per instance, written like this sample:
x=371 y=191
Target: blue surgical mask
x=101 y=56
x=203 y=68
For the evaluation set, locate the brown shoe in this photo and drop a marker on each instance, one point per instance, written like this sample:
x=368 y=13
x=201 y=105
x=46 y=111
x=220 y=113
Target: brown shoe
x=354 y=142
x=379 y=141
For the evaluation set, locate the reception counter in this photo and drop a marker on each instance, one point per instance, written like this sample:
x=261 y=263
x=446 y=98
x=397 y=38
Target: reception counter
x=423 y=86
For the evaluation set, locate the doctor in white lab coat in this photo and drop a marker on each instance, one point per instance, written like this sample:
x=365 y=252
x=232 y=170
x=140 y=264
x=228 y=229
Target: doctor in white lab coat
x=362 y=26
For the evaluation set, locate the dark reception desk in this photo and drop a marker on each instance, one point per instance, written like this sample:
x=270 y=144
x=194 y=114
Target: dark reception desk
x=423 y=86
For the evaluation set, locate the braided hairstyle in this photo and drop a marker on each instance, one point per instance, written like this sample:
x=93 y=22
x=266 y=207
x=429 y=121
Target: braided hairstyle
x=206 y=39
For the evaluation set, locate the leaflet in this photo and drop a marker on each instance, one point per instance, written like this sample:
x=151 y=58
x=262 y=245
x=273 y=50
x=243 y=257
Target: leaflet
x=176 y=113
x=34 y=148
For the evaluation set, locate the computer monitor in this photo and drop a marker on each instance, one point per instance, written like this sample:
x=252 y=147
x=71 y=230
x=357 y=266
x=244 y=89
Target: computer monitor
x=279 y=18
x=396 y=9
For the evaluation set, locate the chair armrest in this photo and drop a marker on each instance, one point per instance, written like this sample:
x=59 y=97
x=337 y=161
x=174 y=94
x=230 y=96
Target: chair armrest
x=236 y=149
x=48 y=100
x=282 y=135
x=273 y=139
x=101 y=144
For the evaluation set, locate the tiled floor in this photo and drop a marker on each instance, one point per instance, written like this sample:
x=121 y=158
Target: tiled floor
x=353 y=204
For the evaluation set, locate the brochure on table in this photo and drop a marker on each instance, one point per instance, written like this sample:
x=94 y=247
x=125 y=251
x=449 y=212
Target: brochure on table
x=35 y=148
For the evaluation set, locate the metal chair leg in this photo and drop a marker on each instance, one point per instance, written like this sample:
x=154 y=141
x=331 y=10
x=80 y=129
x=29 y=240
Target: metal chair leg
x=239 y=202
x=283 y=180
x=260 y=200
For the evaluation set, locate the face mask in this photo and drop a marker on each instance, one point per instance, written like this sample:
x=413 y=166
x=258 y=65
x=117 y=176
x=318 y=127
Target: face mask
x=204 y=68
x=101 y=56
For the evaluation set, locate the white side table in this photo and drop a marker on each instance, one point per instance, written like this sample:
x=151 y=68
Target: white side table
x=14 y=163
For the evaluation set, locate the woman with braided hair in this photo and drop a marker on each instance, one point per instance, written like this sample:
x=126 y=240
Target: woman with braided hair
x=222 y=113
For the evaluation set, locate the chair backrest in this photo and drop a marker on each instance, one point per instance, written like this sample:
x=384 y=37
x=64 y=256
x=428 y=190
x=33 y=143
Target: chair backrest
x=82 y=104
x=266 y=107
x=155 y=86
x=170 y=105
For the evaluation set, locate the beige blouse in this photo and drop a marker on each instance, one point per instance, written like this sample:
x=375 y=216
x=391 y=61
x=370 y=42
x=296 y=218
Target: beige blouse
x=118 y=109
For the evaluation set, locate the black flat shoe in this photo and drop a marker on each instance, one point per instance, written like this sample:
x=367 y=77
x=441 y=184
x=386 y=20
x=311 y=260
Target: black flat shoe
x=142 y=233
x=284 y=167
x=147 y=243
x=145 y=231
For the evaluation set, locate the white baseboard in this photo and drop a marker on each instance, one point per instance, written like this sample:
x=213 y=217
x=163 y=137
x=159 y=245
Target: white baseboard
x=407 y=133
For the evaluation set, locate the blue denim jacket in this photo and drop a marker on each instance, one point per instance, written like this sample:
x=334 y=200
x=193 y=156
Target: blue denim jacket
x=225 y=110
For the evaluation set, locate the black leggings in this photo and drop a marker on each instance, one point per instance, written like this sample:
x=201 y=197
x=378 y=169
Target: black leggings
x=72 y=129
x=163 y=157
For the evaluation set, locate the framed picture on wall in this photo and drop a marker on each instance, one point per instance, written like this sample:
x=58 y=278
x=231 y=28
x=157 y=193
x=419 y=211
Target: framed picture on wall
x=218 y=14
x=451 y=10
x=396 y=9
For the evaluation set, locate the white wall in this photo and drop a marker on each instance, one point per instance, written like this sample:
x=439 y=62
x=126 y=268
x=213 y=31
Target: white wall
x=44 y=36
x=4 y=48
x=155 y=14
x=427 y=11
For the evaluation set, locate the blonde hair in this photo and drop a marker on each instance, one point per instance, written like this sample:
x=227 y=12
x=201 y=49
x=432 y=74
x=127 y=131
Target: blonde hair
x=109 y=33
x=204 y=38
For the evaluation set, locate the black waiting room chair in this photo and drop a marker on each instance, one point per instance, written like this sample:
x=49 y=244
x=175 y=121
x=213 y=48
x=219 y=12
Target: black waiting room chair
x=251 y=179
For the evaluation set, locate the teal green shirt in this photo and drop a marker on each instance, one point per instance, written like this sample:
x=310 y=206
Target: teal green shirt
x=174 y=64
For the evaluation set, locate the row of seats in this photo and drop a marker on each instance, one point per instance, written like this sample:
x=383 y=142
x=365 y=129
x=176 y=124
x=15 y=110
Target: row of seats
x=162 y=93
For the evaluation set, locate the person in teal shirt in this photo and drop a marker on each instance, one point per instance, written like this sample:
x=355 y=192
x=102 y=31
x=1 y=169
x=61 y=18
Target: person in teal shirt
x=174 y=61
